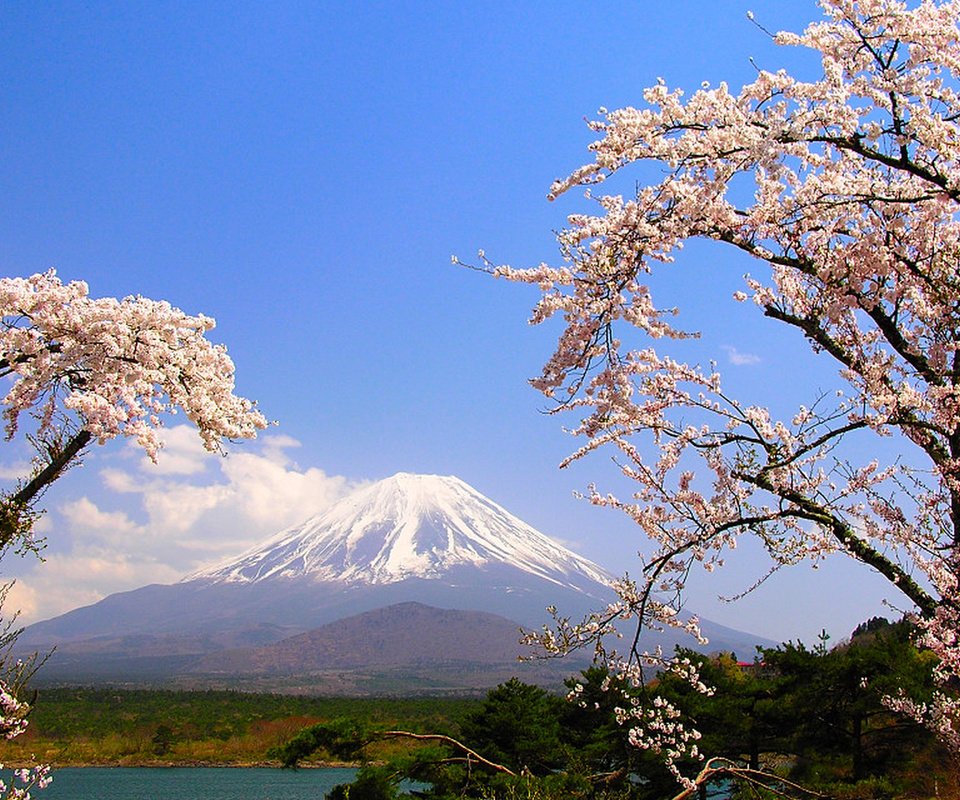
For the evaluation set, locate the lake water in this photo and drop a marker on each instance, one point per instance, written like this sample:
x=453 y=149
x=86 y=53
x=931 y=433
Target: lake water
x=191 y=783
x=211 y=783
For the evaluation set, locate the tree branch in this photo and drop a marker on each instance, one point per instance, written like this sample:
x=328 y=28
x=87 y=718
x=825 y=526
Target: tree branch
x=58 y=463
x=721 y=767
x=438 y=737
x=852 y=543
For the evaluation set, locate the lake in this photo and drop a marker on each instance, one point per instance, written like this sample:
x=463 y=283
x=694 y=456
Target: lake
x=191 y=783
x=211 y=783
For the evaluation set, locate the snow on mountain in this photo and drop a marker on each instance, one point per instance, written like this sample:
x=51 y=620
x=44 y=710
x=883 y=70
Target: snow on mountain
x=403 y=527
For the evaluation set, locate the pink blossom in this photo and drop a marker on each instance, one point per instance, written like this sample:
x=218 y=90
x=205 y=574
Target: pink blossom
x=116 y=364
x=13 y=722
x=855 y=221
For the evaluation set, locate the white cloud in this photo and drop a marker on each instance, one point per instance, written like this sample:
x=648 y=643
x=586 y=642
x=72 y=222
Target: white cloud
x=739 y=359
x=23 y=598
x=84 y=515
x=274 y=494
x=275 y=444
x=154 y=523
x=43 y=525
x=15 y=471
x=174 y=508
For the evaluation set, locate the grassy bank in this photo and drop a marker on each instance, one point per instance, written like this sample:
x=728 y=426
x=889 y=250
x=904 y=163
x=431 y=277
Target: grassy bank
x=110 y=727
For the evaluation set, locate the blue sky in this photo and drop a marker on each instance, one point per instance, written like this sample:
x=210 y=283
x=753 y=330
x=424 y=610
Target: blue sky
x=303 y=172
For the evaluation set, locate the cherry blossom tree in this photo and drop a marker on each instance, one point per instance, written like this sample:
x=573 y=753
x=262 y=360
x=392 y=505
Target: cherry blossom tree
x=845 y=192
x=89 y=370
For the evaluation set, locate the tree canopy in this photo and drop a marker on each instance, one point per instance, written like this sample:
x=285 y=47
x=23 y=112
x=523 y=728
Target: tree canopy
x=93 y=369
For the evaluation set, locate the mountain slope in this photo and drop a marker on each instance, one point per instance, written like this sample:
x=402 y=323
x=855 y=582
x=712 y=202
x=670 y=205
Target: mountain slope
x=408 y=647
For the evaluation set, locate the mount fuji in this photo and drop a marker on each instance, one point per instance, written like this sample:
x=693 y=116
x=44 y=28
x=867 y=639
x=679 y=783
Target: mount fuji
x=425 y=539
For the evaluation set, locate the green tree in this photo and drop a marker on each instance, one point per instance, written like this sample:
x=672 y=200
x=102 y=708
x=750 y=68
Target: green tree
x=598 y=745
x=589 y=724
x=743 y=718
x=162 y=740
x=820 y=709
x=518 y=725
x=834 y=700
x=509 y=747
x=371 y=783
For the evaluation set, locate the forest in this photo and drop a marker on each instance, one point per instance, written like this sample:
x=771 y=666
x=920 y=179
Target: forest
x=781 y=718
x=81 y=726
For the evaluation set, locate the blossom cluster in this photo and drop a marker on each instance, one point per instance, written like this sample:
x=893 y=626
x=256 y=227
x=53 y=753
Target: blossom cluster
x=13 y=722
x=118 y=365
x=853 y=219
x=24 y=780
x=13 y=715
x=658 y=727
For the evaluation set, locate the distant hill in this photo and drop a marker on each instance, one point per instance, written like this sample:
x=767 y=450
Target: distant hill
x=428 y=649
x=402 y=635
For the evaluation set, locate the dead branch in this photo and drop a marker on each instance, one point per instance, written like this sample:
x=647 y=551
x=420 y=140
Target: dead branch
x=438 y=737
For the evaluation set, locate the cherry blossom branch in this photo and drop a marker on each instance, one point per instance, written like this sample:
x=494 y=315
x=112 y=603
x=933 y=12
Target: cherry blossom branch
x=852 y=543
x=93 y=369
x=856 y=218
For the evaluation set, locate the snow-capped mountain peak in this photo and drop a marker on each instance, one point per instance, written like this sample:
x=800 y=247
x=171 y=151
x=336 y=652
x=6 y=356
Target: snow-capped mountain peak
x=407 y=526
